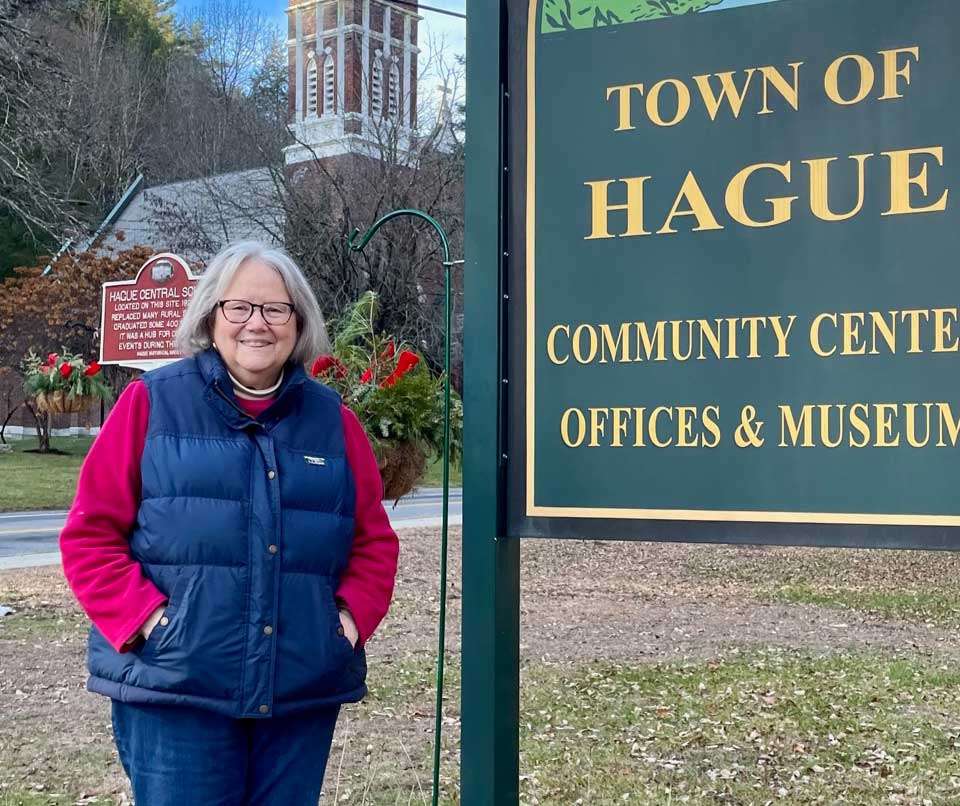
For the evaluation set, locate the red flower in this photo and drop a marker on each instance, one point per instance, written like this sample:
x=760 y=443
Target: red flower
x=325 y=363
x=389 y=352
x=44 y=369
x=52 y=359
x=367 y=375
x=407 y=361
x=92 y=369
x=65 y=370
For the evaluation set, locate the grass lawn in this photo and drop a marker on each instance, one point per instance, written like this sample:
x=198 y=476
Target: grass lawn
x=434 y=475
x=705 y=685
x=37 y=481
x=41 y=481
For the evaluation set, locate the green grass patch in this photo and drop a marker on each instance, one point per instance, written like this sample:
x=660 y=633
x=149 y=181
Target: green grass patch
x=49 y=481
x=934 y=607
x=913 y=586
x=41 y=481
x=43 y=798
x=433 y=477
x=42 y=625
x=774 y=726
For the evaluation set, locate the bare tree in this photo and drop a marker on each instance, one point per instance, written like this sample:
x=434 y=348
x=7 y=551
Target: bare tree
x=27 y=129
x=234 y=40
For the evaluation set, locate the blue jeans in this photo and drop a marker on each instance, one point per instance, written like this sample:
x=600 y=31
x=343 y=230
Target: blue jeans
x=179 y=756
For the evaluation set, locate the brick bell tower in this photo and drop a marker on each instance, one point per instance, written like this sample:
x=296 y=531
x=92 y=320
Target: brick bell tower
x=353 y=69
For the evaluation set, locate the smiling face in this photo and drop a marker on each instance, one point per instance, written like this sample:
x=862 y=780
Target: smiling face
x=255 y=351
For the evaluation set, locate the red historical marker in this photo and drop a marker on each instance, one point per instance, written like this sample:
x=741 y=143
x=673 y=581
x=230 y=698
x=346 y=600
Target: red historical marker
x=139 y=317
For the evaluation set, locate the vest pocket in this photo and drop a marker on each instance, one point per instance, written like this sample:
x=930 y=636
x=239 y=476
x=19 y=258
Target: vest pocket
x=197 y=651
x=312 y=656
x=153 y=644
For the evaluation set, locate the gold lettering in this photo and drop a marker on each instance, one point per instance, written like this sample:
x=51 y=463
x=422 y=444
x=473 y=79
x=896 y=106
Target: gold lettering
x=884 y=425
x=851 y=334
x=781 y=334
x=820 y=187
x=789 y=424
x=887 y=330
x=914 y=316
x=601 y=208
x=953 y=426
x=649 y=342
x=831 y=80
x=624 y=118
x=578 y=344
x=751 y=324
x=653 y=102
x=652 y=426
x=551 y=343
x=901 y=181
x=858 y=414
x=698 y=207
x=825 y=410
x=686 y=416
x=728 y=93
x=638 y=414
x=790 y=92
x=712 y=336
x=710 y=416
x=598 y=422
x=912 y=424
x=565 y=428
x=781 y=206
x=675 y=338
x=943 y=330
x=621 y=344
x=621 y=419
x=891 y=71
x=815 y=334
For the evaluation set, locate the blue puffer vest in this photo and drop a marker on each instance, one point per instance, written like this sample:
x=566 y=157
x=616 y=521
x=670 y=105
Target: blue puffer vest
x=246 y=526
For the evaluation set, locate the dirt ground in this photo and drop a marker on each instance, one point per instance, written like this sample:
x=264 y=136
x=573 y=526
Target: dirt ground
x=580 y=601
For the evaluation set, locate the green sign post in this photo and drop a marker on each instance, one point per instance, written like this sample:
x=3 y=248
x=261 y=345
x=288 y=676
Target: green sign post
x=710 y=291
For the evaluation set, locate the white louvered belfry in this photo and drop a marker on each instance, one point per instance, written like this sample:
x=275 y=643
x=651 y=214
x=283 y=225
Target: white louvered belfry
x=312 y=80
x=329 y=82
x=394 y=107
x=376 y=87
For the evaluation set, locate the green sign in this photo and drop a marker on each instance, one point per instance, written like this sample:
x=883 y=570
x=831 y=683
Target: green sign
x=735 y=295
x=710 y=293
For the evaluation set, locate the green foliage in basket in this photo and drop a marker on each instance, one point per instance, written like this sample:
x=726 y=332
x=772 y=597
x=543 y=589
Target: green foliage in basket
x=63 y=372
x=387 y=384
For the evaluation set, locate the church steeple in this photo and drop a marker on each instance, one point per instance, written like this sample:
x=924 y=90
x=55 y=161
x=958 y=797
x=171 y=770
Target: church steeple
x=353 y=66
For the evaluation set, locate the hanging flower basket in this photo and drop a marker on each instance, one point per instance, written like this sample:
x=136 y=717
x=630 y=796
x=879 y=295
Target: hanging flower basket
x=401 y=467
x=60 y=402
x=63 y=383
x=396 y=397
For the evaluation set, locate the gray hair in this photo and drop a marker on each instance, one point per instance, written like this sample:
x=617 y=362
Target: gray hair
x=196 y=328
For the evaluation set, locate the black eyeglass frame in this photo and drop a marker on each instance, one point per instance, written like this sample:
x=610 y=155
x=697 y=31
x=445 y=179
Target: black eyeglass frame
x=253 y=307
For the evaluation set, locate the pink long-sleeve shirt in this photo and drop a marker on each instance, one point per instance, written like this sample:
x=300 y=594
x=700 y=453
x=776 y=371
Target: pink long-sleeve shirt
x=111 y=585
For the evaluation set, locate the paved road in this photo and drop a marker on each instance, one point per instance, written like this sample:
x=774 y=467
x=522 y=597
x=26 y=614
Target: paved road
x=30 y=538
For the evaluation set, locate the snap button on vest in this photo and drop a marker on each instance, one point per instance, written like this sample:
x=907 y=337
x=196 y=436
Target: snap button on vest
x=268 y=630
x=271 y=474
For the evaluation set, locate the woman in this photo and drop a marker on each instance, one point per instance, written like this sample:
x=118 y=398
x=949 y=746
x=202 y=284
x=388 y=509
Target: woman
x=228 y=542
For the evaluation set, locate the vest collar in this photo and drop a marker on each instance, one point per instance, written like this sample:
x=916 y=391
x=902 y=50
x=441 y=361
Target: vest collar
x=219 y=391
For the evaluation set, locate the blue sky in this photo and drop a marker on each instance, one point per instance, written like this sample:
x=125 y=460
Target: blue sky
x=452 y=28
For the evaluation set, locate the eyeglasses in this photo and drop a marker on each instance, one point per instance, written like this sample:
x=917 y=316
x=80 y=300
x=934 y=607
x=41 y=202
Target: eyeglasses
x=239 y=311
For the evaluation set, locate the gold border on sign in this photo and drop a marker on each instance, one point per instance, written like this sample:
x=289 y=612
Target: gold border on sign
x=723 y=515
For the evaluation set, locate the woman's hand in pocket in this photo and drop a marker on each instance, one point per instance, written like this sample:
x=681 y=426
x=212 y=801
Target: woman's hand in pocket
x=152 y=621
x=350 y=631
